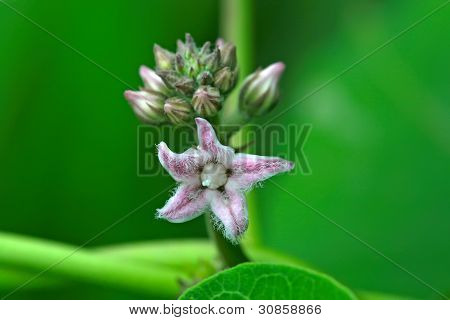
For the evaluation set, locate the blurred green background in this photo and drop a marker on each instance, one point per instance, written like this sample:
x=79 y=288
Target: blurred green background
x=379 y=148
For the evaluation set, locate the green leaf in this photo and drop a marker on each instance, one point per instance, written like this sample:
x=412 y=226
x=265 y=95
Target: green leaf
x=268 y=281
x=373 y=295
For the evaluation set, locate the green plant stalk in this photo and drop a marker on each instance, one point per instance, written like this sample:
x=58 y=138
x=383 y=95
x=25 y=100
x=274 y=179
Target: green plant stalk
x=41 y=257
x=237 y=27
x=193 y=257
x=231 y=254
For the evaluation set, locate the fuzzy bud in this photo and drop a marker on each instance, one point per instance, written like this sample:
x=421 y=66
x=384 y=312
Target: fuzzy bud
x=185 y=86
x=207 y=101
x=259 y=93
x=147 y=105
x=152 y=81
x=205 y=49
x=163 y=58
x=178 y=110
x=228 y=55
x=225 y=79
x=205 y=78
x=212 y=60
x=190 y=46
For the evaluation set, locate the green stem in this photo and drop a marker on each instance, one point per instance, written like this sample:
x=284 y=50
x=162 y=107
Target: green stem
x=231 y=254
x=59 y=260
x=237 y=26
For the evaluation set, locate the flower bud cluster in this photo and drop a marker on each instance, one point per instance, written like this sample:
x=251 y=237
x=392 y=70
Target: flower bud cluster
x=192 y=81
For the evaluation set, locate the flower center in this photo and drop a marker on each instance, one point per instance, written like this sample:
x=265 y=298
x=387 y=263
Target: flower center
x=213 y=176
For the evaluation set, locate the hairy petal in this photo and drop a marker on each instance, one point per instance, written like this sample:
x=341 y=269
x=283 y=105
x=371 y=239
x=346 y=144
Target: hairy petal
x=181 y=166
x=208 y=142
x=249 y=169
x=188 y=202
x=230 y=207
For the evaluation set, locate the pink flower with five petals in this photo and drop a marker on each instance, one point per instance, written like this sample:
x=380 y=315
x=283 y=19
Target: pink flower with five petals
x=213 y=177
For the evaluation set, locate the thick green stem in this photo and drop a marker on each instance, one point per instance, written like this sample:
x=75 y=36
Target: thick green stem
x=53 y=259
x=237 y=27
x=231 y=254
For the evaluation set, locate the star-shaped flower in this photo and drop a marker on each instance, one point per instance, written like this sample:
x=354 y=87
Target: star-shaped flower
x=212 y=176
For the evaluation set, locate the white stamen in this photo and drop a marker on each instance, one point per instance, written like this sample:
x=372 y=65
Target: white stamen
x=214 y=175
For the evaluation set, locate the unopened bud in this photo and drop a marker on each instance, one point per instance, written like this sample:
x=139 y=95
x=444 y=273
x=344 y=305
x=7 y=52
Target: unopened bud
x=191 y=48
x=204 y=78
x=179 y=63
x=259 y=93
x=169 y=77
x=225 y=79
x=228 y=55
x=152 y=81
x=178 y=110
x=181 y=47
x=205 y=49
x=212 y=60
x=207 y=101
x=164 y=59
x=185 y=86
x=220 y=42
x=147 y=105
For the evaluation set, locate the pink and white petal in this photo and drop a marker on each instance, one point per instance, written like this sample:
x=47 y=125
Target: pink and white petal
x=187 y=203
x=248 y=169
x=181 y=166
x=208 y=142
x=230 y=207
x=151 y=80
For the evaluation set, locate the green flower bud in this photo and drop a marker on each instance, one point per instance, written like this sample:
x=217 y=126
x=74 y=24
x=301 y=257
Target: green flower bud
x=182 y=84
x=211 y=61
x=147 y=105
x=190 y=46
x=163 y=58
x=181 y=47
x=152 y=81
x=205 y=78
x=185 y=86
x=205 y=49
x=207 y=101
x=178 y=110
x=225 y=79
x=170 y=77
x=228 y=55
x=179 y=63
x=259 y=93
x=198 y=77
